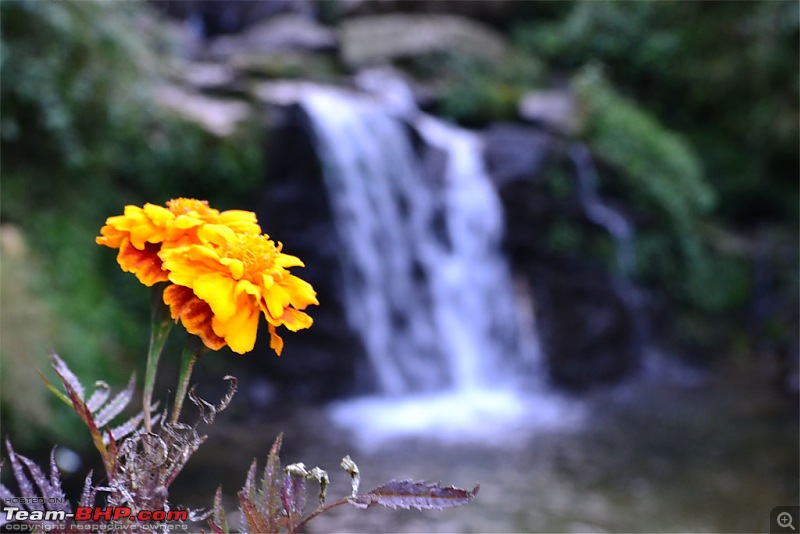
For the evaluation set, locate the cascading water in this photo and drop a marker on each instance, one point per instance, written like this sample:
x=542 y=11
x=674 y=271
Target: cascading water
x=598 y=212
x=620 y=230
x=426 y=286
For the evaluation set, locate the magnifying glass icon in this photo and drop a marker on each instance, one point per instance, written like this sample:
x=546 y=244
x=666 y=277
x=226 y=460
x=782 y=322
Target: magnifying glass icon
x=785 y=520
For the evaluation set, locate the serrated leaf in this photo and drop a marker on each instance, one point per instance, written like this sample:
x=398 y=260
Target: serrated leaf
x=67 y=376
x=126 y=428
x=116 y=405
x=249 y=488
x=271 y=483
x=415 y=494
x=55 y=484
x=86 y=416
x=25 y=486
x=218 y=522
x=255 y=521
x=88 y=493
x=99 y=396
x=45 y=490
x=6 y=496
x=293 y=495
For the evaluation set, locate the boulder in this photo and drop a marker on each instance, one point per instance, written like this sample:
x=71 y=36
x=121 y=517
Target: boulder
x=555 y=110
x=275 y=35
x=588 y=330
x=381 y=38
x=591 y=323
x=206 y=76
x=218 y=116
x=515 y=152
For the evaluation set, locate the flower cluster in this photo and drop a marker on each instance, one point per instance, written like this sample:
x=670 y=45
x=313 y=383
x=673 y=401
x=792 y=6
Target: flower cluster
x=222 y=271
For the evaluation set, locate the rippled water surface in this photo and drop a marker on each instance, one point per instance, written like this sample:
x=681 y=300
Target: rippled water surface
x=647 y=456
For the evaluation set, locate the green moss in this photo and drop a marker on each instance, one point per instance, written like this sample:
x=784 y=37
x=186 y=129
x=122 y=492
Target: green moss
x=474 y=91
x=660 y=166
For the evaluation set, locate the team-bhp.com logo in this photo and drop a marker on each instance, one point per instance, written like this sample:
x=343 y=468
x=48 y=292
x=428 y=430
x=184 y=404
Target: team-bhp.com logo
x=14 y=515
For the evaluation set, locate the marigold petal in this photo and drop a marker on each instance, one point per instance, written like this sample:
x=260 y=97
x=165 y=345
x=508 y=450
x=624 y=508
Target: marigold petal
x=303 y=293
x=236 y=267
x=240 y=221
x=184 y=222
x=186 y=264
x=287 y=260
x=194 y=313
x=217 y=234
x=240 y=330
x=275 y=341
x=276 y=299
x=145 y=264
x=218 y=292
x=295 y=320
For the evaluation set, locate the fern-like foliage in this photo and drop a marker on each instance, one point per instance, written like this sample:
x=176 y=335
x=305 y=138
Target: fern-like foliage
x=41 y=492
x=98 y=410
x=277 y=502
x=148 y=462
x=142 y=467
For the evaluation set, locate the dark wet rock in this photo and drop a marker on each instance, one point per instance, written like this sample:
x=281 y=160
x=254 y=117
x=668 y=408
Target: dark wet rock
x=587 y=319
x=327 y=360
x=218 y=17
x=587 y=329
x=516 y=152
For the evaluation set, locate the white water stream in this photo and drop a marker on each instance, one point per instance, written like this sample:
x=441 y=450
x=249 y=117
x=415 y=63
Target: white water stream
x=426 y=285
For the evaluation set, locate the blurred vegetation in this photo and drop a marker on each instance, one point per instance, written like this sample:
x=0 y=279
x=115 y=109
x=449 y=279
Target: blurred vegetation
x=81 y=137
x=687 y=103
x=723 y=75
x=473 y=91
x=661 y=168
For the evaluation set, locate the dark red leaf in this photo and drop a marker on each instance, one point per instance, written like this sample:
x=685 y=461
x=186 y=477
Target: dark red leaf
x=415 y=494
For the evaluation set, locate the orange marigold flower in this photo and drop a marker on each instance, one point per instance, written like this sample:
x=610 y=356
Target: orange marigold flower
x=140 y=233
x=233 y=278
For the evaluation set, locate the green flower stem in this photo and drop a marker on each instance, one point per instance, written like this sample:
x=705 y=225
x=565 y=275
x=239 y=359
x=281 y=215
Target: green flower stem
x=160 y=326
x=191 y=353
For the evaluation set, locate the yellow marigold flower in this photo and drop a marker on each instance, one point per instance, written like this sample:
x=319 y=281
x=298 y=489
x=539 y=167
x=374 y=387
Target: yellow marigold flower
x=223 y=283
x=140 y=233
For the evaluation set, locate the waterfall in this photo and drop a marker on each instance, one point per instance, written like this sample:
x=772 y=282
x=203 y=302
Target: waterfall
x=600 y=213
x=426 y=286
x=620 y=230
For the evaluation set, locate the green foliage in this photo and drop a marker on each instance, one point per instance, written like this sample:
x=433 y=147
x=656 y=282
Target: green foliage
x=724 y=74
x=474 y=91
x=81 y=137
x=661 y=168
